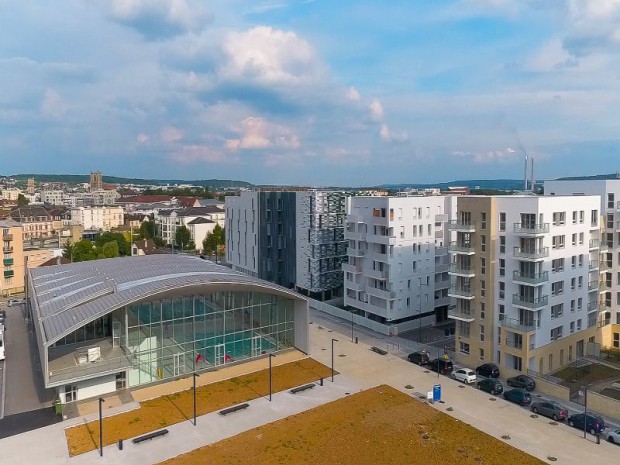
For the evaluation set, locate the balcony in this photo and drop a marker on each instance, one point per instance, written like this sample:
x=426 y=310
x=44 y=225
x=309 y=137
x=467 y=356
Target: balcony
x=7 y=237
x=466 y=271
x=8 y=261
x=594 y=305
x=533 y=279
x=460 y=314
x=380 y=239
x=441 y=267
x=514 y=344
x=593 y=265
x=604 y=286
x=594 y=244
x=381 y=293
x=461 y=293
x=376 y=255
x=517 y=325
x=604 y=265
x=606 y=245
x=445 y=284
x=353 y=235
x=593 y=286
x=465 y=248
x=351 y=252
x=441 y=251
x=377 y=274
x=441 y=301
x=531 y=229
x=8 y=249
x=355 y=269
x=462 y=226
x=531 y=254
x=356 y=286
x=531 y=303
x=355 y=219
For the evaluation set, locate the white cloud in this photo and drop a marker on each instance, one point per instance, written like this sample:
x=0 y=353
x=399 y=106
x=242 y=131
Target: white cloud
x=191 y=154
x=491 y=156
x=142 y=139
x=376 y=109
x=171 y=134
x=353 y=94
x=53 y=105
x=269 y=56
x=258 y=133
x=593 y=26
x=384 y=132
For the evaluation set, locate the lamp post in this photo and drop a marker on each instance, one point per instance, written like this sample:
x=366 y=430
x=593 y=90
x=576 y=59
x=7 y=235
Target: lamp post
x=420 y=310
x=333 y=340
x=196 y=375
x=270 y=378
x=101 y=401
x=351 y=325
x=585 y=409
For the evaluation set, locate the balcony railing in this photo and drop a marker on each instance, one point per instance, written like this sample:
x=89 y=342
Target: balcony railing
x=531 y=254
x=7 y=237
x=604 y=265
x=465 y=293
x=594 y=305
x=462 y=247
x=514 y=344
x=531 y=229
x=351 y=268
x=377 y=274
x=381 y=239
x=530 y=302
x=593 y=286
x=460 y=314
x=381 y=293
x=594 y=244
x=355 y=252
x=463 y=226
x=593 y=265
x=604 y=286
x=8 y=249
x=9 y=273
x=8 y=261
x=517 y=325
x=530 y=278
x=606 y=245
x=466 y=270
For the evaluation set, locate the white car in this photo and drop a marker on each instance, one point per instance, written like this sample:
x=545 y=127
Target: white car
x=614 y=436
x=464 y=375
x=14 y=302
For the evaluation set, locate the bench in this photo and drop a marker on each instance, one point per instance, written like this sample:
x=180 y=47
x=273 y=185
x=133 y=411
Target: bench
x=301 y=388
x=379 y=351
x=235 y=408
x=147 y=437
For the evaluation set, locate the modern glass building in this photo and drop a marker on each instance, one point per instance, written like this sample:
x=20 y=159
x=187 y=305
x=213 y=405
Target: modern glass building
x=125 y=322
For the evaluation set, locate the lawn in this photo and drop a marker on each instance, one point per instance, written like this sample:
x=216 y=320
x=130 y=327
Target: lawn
x=587 y=374
x=167 y=410
x=610 y=392
x=377 y=426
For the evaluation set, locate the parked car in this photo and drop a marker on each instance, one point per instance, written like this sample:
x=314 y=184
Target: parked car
x=491 y=385
x=551 y=409
x=465 y=375
x=489 y=370
x=522 y=381
x=614 y=436
x=593 y=423
x=419 y=358
x=518 y=396
x=441 y=365
x=13 y=302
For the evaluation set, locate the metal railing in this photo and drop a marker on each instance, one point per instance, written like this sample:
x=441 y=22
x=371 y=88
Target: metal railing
x=524 y=228
x=530 y=302
x=465 y=247
x=518 y=325
x=461 y=292
x=530 y=278
x=531 y=254
x=459 y=225
x=460 y=314
x=461 y=269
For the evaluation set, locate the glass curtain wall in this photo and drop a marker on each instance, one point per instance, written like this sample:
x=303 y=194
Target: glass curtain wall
x=171 y=337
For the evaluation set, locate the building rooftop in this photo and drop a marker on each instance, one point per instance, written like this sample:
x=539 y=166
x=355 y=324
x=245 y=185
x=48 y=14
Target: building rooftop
x=66 y=297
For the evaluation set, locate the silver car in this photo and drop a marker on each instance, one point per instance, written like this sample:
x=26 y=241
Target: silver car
x=614 y=436
x=551 y=409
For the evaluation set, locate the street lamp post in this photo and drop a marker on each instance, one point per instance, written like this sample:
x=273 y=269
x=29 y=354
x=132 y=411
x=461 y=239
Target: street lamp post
x=270 y=378
x=585 y=410
x=101 y=401
x=420 y=310
x=196 y=375
x=351 y=325
x=333 y=340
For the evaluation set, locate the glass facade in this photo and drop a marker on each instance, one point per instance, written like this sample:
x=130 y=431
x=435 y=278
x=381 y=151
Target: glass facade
x=170 y=337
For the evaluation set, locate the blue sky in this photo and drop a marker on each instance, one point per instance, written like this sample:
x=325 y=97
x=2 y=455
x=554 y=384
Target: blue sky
x=310 y=92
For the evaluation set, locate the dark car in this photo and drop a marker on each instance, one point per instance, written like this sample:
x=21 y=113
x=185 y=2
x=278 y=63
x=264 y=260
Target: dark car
x=518 y=396
x=441 y=365
x=419 y=358
x=594 y=423
x=489 y=370
x=522 y=381
x=490 y=385
x=551 y=409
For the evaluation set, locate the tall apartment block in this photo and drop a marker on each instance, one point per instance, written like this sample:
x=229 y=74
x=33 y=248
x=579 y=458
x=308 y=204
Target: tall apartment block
x=525 y=280
x=609 y=281
x=397 y=270
x=291 y=238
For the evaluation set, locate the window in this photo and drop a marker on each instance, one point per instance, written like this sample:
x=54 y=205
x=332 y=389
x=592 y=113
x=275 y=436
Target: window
x=594 y=218
x=483 y=243
x=559 y=218
x=581 y=216
x=575 y=217
x=557 y=310
x=581 y=238
x=580 y=282
x=573 y=284
x=482 y=288
x=572 y=327
x=610 y=200
x=557 y=288
x=579 y=324
x=572 y=305
x=557 y=265
x=558 y=242
x=556 y=333
x=481 y=333
x=483 y=220
x=481 y=352
x=616 y=342
x=580 y=260
x=483 y=266
x=502 y=221
x=501 y=311
x=502 y=289
x=464 y=348
x=482 y=312
x=502 y=244
x=574 y=237
x=573 y=261
x=502 y=267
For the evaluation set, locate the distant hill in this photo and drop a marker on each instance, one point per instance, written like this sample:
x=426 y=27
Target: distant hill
x=82 y=178
x=489 y=184
x=593 y=177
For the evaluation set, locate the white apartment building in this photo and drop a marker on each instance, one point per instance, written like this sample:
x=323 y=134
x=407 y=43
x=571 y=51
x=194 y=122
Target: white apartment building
x=53 y=197
x=524 y=274
x=98 y=218
x=397 y=270
x=609 y=285
x=167 y=222
x=11 y=194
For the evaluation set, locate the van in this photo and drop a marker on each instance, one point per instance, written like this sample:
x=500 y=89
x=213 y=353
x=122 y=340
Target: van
x=442 y=366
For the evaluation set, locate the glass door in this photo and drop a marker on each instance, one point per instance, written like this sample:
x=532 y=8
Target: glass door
x=178 y=364
x=219 y=354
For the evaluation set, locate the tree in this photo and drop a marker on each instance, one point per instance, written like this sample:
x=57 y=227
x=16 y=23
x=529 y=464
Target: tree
x=67 y=251
x=124 y=247
x=182 y=237
x=214 y=239
x=147 y=229
x=83 y=251
x=22 y=201
x=110 y=249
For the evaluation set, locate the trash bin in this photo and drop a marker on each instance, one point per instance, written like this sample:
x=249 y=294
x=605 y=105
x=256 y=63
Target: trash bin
x=58 y=408
x=120 y=444
x=356 y=339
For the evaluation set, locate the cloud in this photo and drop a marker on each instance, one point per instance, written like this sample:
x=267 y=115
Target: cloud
x=593 y=27
x=258 y=133
x=157 y=19
x=142 y=139
x=171 y=134
x=192 y=154
x=491 y=156
x=384 y=132
x=53 y=105
x=353 y=94
x=376 y=110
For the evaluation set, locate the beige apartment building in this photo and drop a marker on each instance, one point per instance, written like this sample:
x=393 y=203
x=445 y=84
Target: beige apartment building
x=524 y=273
x=36 y=222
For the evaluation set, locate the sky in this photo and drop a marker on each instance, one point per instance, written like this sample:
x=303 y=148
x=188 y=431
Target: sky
x=310 y=92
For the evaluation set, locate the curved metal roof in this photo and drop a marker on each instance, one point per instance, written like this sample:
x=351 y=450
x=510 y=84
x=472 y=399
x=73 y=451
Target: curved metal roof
x=66 y=297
